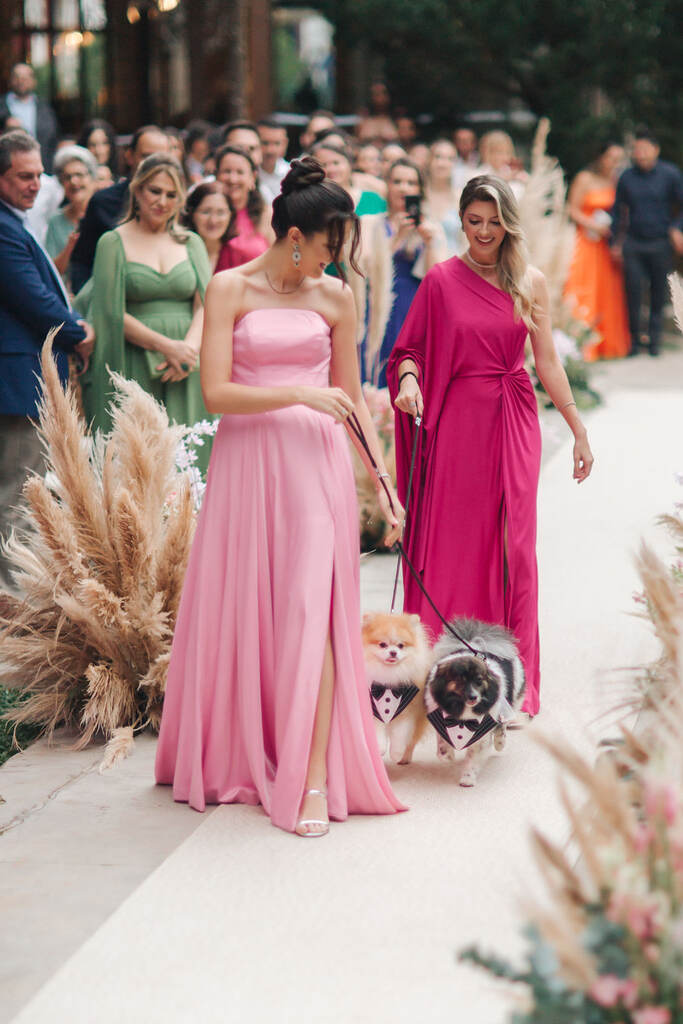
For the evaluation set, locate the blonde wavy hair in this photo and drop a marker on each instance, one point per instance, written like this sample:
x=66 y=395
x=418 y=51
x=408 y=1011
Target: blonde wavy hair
x=148 y=168
x=514 y=258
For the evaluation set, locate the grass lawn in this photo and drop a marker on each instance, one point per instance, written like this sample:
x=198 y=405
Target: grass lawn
x=25 y=733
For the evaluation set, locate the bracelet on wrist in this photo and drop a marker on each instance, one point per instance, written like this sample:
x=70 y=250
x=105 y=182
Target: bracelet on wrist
x=408 y=373
x=567 y=404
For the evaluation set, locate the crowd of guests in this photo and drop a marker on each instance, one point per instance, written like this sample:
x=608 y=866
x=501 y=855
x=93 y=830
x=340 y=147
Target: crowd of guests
x=127 y=236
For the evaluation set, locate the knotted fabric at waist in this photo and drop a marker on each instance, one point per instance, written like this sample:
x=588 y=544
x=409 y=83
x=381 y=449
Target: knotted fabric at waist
x=167 y=308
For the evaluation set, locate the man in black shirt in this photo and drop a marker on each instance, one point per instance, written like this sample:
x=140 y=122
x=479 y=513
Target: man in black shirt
x=648 y=216
x=106 y=207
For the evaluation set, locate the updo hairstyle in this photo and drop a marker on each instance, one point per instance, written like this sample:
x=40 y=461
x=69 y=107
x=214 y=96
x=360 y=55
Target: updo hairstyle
x=310 y=202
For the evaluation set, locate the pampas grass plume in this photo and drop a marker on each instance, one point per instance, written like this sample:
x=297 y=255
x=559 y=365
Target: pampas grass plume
x=99 y=567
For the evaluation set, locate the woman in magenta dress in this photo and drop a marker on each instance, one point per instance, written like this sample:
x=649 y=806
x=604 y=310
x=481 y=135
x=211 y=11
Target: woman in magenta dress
x=460 y=360
x=249 y=233
x=266 y=700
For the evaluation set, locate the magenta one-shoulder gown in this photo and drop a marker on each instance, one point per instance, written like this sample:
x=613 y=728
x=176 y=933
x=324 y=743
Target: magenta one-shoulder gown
x=274 y=567
x=476 y=477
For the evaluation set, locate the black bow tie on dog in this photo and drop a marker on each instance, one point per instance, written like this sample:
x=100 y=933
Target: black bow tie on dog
x=442 y=723
x=403 y=694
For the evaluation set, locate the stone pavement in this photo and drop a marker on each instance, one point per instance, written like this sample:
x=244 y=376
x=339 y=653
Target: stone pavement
x=117 y=903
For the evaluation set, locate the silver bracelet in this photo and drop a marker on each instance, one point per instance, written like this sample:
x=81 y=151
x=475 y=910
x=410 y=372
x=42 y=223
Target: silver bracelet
x=566 y=405
x=387 y=475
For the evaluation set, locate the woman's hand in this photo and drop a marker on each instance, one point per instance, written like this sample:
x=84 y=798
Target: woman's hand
x=583 y=458
x=333 y=402
x=426 y=230
x=394 y=520
x=181 y=358
x=409 y=398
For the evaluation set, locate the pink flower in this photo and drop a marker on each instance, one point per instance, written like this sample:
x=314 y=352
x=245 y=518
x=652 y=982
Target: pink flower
x=642 y=837
x=629 y=993
x=652 y=1015
x=605 y=990
x=661 y=798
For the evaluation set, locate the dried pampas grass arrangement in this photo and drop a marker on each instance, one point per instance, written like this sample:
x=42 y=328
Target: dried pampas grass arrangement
x=549 y=232
x=99 y=567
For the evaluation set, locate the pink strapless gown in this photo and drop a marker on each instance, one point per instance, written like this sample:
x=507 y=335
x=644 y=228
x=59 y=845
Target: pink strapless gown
x=274 y=567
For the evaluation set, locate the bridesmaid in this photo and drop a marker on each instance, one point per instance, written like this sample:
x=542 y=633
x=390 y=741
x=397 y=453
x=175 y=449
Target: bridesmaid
x=266 y=700
x=595 y=285
x=459 y=361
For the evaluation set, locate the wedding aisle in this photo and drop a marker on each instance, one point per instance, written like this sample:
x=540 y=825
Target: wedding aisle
x=244 y=922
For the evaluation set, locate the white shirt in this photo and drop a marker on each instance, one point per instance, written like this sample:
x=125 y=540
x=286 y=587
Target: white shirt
x=270 y=181
x=23 y=109
x=46 y=204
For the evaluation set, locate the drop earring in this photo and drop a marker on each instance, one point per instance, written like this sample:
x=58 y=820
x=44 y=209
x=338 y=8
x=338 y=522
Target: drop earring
x=296 y=256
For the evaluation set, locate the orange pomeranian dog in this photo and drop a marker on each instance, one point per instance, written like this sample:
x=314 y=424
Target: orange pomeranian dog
x=397 y=661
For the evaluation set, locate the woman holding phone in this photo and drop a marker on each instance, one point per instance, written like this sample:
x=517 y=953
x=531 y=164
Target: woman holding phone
x=399 y=247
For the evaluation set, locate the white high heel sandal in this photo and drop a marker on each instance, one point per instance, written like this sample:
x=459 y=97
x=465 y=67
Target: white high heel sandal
x=313 y=821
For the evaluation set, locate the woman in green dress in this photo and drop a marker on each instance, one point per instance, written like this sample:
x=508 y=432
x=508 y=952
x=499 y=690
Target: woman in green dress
x=145 y=301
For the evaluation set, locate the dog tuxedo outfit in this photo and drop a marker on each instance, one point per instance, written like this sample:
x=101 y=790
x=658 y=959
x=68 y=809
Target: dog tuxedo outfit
x=389 y=701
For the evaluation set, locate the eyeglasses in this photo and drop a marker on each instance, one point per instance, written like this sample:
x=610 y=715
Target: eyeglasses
x=76 y=176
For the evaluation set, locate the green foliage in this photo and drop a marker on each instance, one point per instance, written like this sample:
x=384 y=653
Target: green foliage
x=25 y=733
x=595 y=67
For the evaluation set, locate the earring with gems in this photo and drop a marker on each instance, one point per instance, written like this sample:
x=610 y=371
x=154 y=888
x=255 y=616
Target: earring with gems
x=296 y=256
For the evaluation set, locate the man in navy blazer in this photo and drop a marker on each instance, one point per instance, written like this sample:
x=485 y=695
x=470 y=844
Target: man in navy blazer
x=32 y=300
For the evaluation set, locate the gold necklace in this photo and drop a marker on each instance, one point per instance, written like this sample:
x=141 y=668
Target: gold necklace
x=283 y=291
x=482 y=266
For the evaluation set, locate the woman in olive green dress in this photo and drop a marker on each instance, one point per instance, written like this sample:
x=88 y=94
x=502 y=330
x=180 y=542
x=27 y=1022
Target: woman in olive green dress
x=145 y=301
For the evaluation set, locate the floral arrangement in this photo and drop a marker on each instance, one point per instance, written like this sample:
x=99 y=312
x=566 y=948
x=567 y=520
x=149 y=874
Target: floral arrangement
x=186 y=456
x=372 y=525
x=100 y=569
x=608 y=947
x=550 y=240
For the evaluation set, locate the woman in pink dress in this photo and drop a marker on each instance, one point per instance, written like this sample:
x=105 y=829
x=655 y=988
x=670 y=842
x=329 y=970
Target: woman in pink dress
x=249 y=233
x=459 y=360
x=266 y=700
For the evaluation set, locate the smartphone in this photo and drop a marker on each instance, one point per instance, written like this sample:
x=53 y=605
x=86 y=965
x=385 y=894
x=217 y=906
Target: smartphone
x=413 y=208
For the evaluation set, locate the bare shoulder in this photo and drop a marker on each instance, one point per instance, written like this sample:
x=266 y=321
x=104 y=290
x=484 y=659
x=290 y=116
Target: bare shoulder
x=539 y=285
x=584 y=179
x=337 y=298
x=226 y=287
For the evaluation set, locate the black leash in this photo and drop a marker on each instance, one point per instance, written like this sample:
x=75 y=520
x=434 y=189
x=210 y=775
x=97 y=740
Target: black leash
x=354 y=424
x=418 y=424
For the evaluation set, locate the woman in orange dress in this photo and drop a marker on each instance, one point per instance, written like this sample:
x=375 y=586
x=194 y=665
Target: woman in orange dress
x=595 y=286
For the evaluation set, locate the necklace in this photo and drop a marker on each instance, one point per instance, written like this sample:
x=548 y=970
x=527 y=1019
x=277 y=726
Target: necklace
x=283 y=291
x=482 y=266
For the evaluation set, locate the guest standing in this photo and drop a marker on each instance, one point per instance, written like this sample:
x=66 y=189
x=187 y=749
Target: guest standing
x=498 y=157
x=274 y=142
x=410 y=246
x=249 y=232
x=337 y=163
x=459 y=363
x=107 y=206
x=32 y=300
x=647 y=223
x=207 y=213
x=595 y=286
x=274 y=708
x=146 y=299
x=35 y=115
x=76 y=170
x=442 y=199
x=467 y=159
x=197 y=150
x=99 y=138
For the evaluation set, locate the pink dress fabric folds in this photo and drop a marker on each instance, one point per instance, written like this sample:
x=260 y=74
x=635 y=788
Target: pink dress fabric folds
x=274 y=567
x=478 y=460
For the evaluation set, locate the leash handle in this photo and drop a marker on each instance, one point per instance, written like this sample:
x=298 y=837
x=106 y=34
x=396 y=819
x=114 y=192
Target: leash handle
x=418 y=425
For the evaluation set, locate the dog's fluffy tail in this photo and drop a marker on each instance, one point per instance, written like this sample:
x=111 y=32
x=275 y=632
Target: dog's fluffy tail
x=480 y=635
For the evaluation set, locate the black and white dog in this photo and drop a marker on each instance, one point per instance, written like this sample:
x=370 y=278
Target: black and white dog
x=465 y=692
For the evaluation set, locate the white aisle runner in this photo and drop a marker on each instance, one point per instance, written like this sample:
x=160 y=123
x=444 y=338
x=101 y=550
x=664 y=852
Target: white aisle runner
x=246 y=923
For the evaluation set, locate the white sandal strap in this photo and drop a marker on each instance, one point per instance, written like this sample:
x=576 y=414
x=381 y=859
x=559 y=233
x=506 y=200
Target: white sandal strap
x=316 y=792
x=312 y=821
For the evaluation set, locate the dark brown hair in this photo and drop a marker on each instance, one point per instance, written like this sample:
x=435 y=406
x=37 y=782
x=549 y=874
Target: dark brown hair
x=255 y=201
x=194 y=200
x=312 y=203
